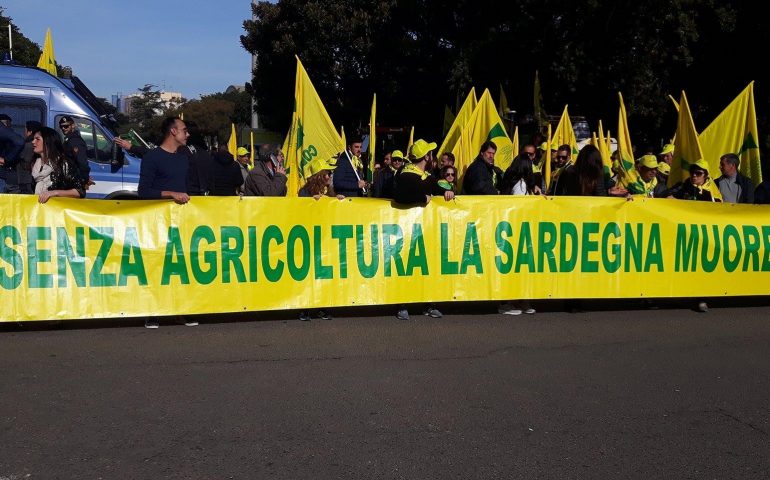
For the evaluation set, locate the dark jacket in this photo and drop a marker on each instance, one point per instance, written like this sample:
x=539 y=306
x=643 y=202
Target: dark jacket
x=482 y=178
x=224 y=175
x=199 y=171
x=344 y=179
x=261 y=182
x=383 y=183
x=762 y=193
x=747 y=188
x=76 y=150
x=411 y=186
x=11 y=145
x=687 y=191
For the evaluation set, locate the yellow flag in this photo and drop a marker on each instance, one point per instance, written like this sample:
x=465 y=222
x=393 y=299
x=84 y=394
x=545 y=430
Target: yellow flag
x=565 y=134
x=604 y=148
x=311 y=135
x=676 y=104
x=687 y=148
x=181 y=116
x=484 y=124
x=251 y=153
x=232 y=144
x=449 y=118
x=463 y=115
x=515 y=144
x=342 y=137
x=547 y=160
x=503 y=105
x=47 y=59
x=734 y=131
x=411 y=139
x=372 y=137
x=625 y=147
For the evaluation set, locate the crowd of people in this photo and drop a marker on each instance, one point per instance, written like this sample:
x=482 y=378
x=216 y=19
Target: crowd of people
x=182 y=166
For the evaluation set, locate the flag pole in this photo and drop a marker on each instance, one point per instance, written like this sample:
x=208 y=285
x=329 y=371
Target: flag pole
x=10 y=41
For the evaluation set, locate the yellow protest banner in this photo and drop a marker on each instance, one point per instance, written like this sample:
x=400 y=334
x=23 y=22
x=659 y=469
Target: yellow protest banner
x=80 y=259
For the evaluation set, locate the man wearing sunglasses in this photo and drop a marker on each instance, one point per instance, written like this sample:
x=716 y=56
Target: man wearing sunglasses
x=75 y=147
x=383 y=181
x=562 y=160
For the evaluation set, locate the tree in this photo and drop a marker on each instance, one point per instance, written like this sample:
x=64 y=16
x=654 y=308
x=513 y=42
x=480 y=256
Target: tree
x=145 y=107
x=25 y=51
x=585 y=53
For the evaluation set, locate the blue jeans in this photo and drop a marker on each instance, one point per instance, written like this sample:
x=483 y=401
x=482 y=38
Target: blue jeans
x=3 y=188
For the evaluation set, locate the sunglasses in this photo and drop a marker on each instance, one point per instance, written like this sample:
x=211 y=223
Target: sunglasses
x=562 y=157
x=531 y=154
x=65 y=125
x=698 y=173
x=449 y=175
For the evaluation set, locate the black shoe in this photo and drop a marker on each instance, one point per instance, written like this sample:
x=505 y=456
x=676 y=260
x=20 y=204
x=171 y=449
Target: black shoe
x=323 y=315
x=304 y=316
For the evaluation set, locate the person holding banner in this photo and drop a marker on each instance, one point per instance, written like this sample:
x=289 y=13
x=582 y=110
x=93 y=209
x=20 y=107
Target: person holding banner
x=163 y=173
x=699 y=186
x=348 y=178
x=54 y=173
x=319 y=184
x=415 y=186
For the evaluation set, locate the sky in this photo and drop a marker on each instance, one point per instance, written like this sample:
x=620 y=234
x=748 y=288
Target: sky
x=118 y=46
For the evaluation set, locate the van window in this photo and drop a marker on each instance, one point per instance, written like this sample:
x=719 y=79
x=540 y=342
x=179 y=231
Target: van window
x=22 y=111
x=99 y=148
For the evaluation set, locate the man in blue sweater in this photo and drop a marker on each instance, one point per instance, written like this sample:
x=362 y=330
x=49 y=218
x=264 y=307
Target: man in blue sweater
x=163 y=173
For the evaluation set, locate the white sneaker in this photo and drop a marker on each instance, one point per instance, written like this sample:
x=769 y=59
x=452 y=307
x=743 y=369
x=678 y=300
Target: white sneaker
x=526 y=307
x=508 y=309
x=151 y=323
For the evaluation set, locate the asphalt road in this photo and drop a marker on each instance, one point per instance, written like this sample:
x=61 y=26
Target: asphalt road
x=666 y=393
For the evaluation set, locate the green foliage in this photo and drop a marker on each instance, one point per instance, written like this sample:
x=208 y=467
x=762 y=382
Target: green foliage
x=145 y=108
x=418 y=54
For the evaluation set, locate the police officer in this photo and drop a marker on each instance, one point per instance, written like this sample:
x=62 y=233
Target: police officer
x=75 y=147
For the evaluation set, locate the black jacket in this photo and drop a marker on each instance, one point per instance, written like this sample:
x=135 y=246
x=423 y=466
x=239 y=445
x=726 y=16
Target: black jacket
x=76 y=150
x=762 y=193
x=482 y=178
x=225 y=176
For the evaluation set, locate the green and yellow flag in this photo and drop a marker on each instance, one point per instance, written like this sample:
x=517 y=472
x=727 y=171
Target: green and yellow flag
x=311 y=135
x=734 y=131
x=565 y=134
x=687 y=148
x=232 y=144
x=485 y=124
x=625 y=147
x=372 y=138
x=47 y=59
x=463 y=115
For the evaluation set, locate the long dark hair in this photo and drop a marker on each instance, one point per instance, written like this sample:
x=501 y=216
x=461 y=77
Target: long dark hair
x=521 y=169
x=53 y=151
x=589 y=169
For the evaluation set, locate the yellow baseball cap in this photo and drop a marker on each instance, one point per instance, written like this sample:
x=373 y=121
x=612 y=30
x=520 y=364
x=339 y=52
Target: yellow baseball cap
x=397 y=154
x=667 y=148
x=241 y=151
x=420 y=148
x=664 y=168
x=699 y=165
x=649 y=161
x=321 y=164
